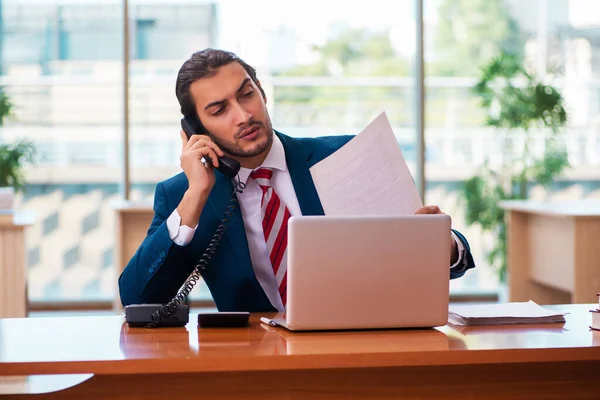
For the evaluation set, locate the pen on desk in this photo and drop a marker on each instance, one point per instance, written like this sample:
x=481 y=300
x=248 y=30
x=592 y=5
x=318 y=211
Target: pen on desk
x=267 y=321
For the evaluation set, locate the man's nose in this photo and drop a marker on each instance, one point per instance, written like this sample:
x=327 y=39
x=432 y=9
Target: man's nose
x=241 y=115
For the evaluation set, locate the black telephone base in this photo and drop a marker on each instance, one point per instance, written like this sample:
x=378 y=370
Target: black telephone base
x=140 y=315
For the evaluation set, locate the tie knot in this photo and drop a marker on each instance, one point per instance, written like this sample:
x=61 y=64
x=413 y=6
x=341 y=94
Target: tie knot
x=262 y=176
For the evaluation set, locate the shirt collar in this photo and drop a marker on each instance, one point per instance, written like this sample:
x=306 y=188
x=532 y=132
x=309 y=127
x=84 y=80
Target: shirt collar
x=275 y=160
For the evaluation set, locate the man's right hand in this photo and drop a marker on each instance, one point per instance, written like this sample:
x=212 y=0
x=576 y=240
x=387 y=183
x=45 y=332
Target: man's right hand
x=201 y=178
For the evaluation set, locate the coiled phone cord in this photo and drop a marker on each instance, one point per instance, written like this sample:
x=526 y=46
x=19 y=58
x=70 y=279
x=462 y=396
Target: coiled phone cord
x=203 y=264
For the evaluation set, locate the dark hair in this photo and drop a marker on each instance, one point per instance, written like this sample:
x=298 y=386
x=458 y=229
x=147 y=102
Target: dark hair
x=203 y=64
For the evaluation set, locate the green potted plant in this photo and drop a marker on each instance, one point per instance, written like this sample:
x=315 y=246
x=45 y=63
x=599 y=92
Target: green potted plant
x=516 y=102
x=13 y=158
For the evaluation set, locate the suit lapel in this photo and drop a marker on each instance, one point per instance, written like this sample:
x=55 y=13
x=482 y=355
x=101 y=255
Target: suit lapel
x=299 y=159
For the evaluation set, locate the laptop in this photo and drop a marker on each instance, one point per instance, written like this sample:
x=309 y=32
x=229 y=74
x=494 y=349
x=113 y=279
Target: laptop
x=367 y=272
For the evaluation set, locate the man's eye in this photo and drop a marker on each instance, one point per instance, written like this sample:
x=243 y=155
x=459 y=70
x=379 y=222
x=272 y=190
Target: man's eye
x=219 y=111
x=248 y=93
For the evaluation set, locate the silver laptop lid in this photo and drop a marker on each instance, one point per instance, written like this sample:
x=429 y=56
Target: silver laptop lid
x=368 y=271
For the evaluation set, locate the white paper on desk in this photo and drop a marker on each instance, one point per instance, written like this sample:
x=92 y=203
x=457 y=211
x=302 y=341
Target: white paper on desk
x=367 y=176
x=500 y=314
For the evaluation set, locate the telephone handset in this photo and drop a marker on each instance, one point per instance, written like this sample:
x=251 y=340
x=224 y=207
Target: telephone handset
x=227 y=166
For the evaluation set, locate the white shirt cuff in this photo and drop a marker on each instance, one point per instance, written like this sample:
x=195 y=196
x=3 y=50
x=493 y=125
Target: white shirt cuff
x=460 y=247
x=181 y=235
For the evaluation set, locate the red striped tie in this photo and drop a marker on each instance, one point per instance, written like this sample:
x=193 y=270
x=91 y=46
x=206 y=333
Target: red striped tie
x=275 y=218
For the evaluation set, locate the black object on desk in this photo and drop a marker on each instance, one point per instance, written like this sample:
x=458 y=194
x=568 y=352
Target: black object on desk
x=234 y=319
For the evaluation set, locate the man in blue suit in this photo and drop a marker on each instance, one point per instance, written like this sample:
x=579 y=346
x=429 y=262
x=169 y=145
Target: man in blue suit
x=222 y=93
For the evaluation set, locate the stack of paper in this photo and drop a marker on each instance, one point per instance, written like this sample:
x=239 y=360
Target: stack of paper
x=501 y=314
x=595 y=320
x=596 y=316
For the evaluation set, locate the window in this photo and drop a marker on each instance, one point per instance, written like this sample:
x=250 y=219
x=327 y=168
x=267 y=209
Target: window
x=60 y=68
x=325 y=73
x=559 y=40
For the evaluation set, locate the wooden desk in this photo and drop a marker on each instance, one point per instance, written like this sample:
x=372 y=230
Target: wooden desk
x=133 y=221
x=524 y=362
x=553 y=251
x=13 y=266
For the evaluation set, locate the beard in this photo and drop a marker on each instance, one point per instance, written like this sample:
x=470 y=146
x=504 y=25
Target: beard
x=237 y=151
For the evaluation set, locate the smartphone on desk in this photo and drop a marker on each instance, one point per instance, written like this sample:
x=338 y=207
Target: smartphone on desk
x=227 y=166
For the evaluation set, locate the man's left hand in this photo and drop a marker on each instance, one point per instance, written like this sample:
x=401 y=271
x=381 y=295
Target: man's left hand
x=453 y=247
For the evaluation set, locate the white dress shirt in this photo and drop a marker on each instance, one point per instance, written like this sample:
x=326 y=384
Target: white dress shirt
x=249 y=201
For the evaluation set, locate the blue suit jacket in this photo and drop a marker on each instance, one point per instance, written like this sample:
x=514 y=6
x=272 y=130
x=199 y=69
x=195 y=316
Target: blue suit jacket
x=159 y=267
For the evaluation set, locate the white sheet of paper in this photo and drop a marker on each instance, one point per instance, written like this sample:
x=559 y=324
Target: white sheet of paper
x=367 y=176
x=528 y=309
